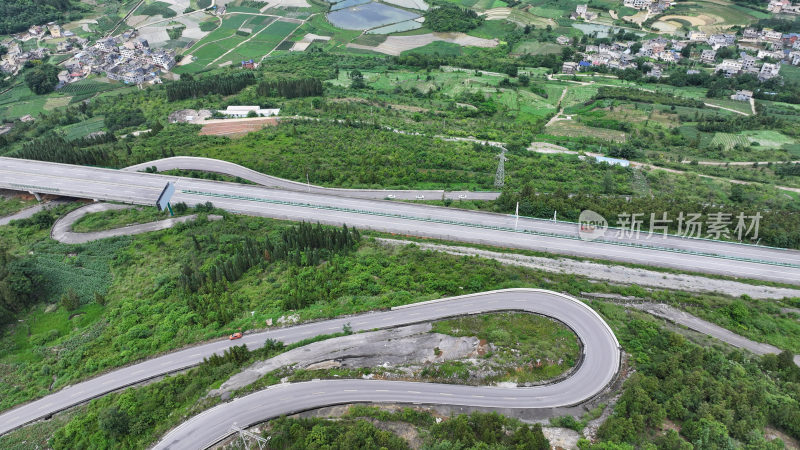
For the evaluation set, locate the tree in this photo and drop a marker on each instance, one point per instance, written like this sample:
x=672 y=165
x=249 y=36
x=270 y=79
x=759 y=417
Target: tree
x=114 y=422
x=42 y=79
x=609 y=187
x=70 y=300
x=17 y=283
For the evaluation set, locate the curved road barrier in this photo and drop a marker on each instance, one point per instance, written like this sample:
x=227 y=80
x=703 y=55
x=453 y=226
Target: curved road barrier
x=62 y=229
x=600 y=363
x=228 y=168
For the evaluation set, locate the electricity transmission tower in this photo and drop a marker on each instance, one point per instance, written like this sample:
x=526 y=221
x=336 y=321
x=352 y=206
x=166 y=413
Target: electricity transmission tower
x=247 y=436
x=500 y=176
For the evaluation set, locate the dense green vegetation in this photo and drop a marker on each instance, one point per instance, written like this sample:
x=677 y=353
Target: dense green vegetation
x=42 y=79
x=716 y=397
x=530 y=348
x=449 y=17
x=130 y=306
x=224 y=84
x=19 y=15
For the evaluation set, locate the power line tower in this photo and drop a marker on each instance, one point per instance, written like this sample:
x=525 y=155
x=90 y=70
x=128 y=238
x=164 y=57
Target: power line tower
x=247 y=436
x=500 y=176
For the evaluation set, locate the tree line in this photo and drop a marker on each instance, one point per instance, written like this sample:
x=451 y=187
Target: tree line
x=55 y=148
x=224 y=84
x=739 y=123
x=231 y=268
x=304 y=87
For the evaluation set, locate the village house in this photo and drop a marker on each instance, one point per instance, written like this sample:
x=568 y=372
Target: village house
x=742 y=96
x=768 y=71
x=697 y=36
x=582 y=12
x=569 y=67
x=638 y=4
x=729 y=67
x=707 y=56
x=771 y=35
x=750 y=33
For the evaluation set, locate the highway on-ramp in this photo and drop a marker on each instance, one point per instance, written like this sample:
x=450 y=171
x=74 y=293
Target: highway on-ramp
x=702 y=255
x=597 y=368
x=229 y=168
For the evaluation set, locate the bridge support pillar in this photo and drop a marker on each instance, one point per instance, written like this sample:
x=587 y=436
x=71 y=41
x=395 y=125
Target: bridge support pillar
x=38 y=197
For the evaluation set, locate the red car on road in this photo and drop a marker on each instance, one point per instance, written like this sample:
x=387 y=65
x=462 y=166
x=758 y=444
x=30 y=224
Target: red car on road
x=235 y=336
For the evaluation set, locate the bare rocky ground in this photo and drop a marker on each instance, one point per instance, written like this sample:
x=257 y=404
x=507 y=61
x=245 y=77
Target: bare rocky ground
x=614 y=273
x=410 y=346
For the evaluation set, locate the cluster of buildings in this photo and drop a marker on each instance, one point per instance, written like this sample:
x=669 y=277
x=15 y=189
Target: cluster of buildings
x=782 y=7
x=760 y=52
x=653 y=6
x=19 y=52
x=126 y=58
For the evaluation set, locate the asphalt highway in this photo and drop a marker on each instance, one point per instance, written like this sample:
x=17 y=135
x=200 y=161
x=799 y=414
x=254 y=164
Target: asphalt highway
x=701 y=255
x=228 y=168
x=599 y=365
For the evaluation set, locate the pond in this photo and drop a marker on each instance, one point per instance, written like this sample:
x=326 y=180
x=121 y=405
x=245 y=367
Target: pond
x=370 y=15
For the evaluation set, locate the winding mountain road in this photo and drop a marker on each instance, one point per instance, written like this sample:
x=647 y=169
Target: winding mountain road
x=597 y=368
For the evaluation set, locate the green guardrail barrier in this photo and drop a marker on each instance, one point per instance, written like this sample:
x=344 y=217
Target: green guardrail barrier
x=476 y=225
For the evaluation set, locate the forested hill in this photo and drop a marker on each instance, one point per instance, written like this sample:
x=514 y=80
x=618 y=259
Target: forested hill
x=19 y=15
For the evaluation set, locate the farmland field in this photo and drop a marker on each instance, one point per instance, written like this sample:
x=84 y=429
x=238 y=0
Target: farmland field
x=728 y=140
x=265 y=41
x=768 y=138
x=82 y=129
x=85 y=87
x=20 y=101
x=573 y=129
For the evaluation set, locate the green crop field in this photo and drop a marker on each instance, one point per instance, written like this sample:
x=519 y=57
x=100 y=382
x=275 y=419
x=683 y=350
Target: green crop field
x=728 y=140
x=81 y=129
x=20 y=101
x=571 y=128
x=265 y=41
x=769 y=138
x=537 y=48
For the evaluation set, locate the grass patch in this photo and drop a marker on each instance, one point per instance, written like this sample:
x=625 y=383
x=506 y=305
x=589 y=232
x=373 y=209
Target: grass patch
x=117 y=218
x=529 y=348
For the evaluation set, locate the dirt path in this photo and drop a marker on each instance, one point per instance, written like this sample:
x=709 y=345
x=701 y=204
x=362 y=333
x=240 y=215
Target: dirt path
x=709 y=329
x=738 y=163
x=710 y=105
x=557 y=117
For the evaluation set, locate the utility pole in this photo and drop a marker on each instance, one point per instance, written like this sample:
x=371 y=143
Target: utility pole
x=516 y=220
x=500 y=176
x=308 y=182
